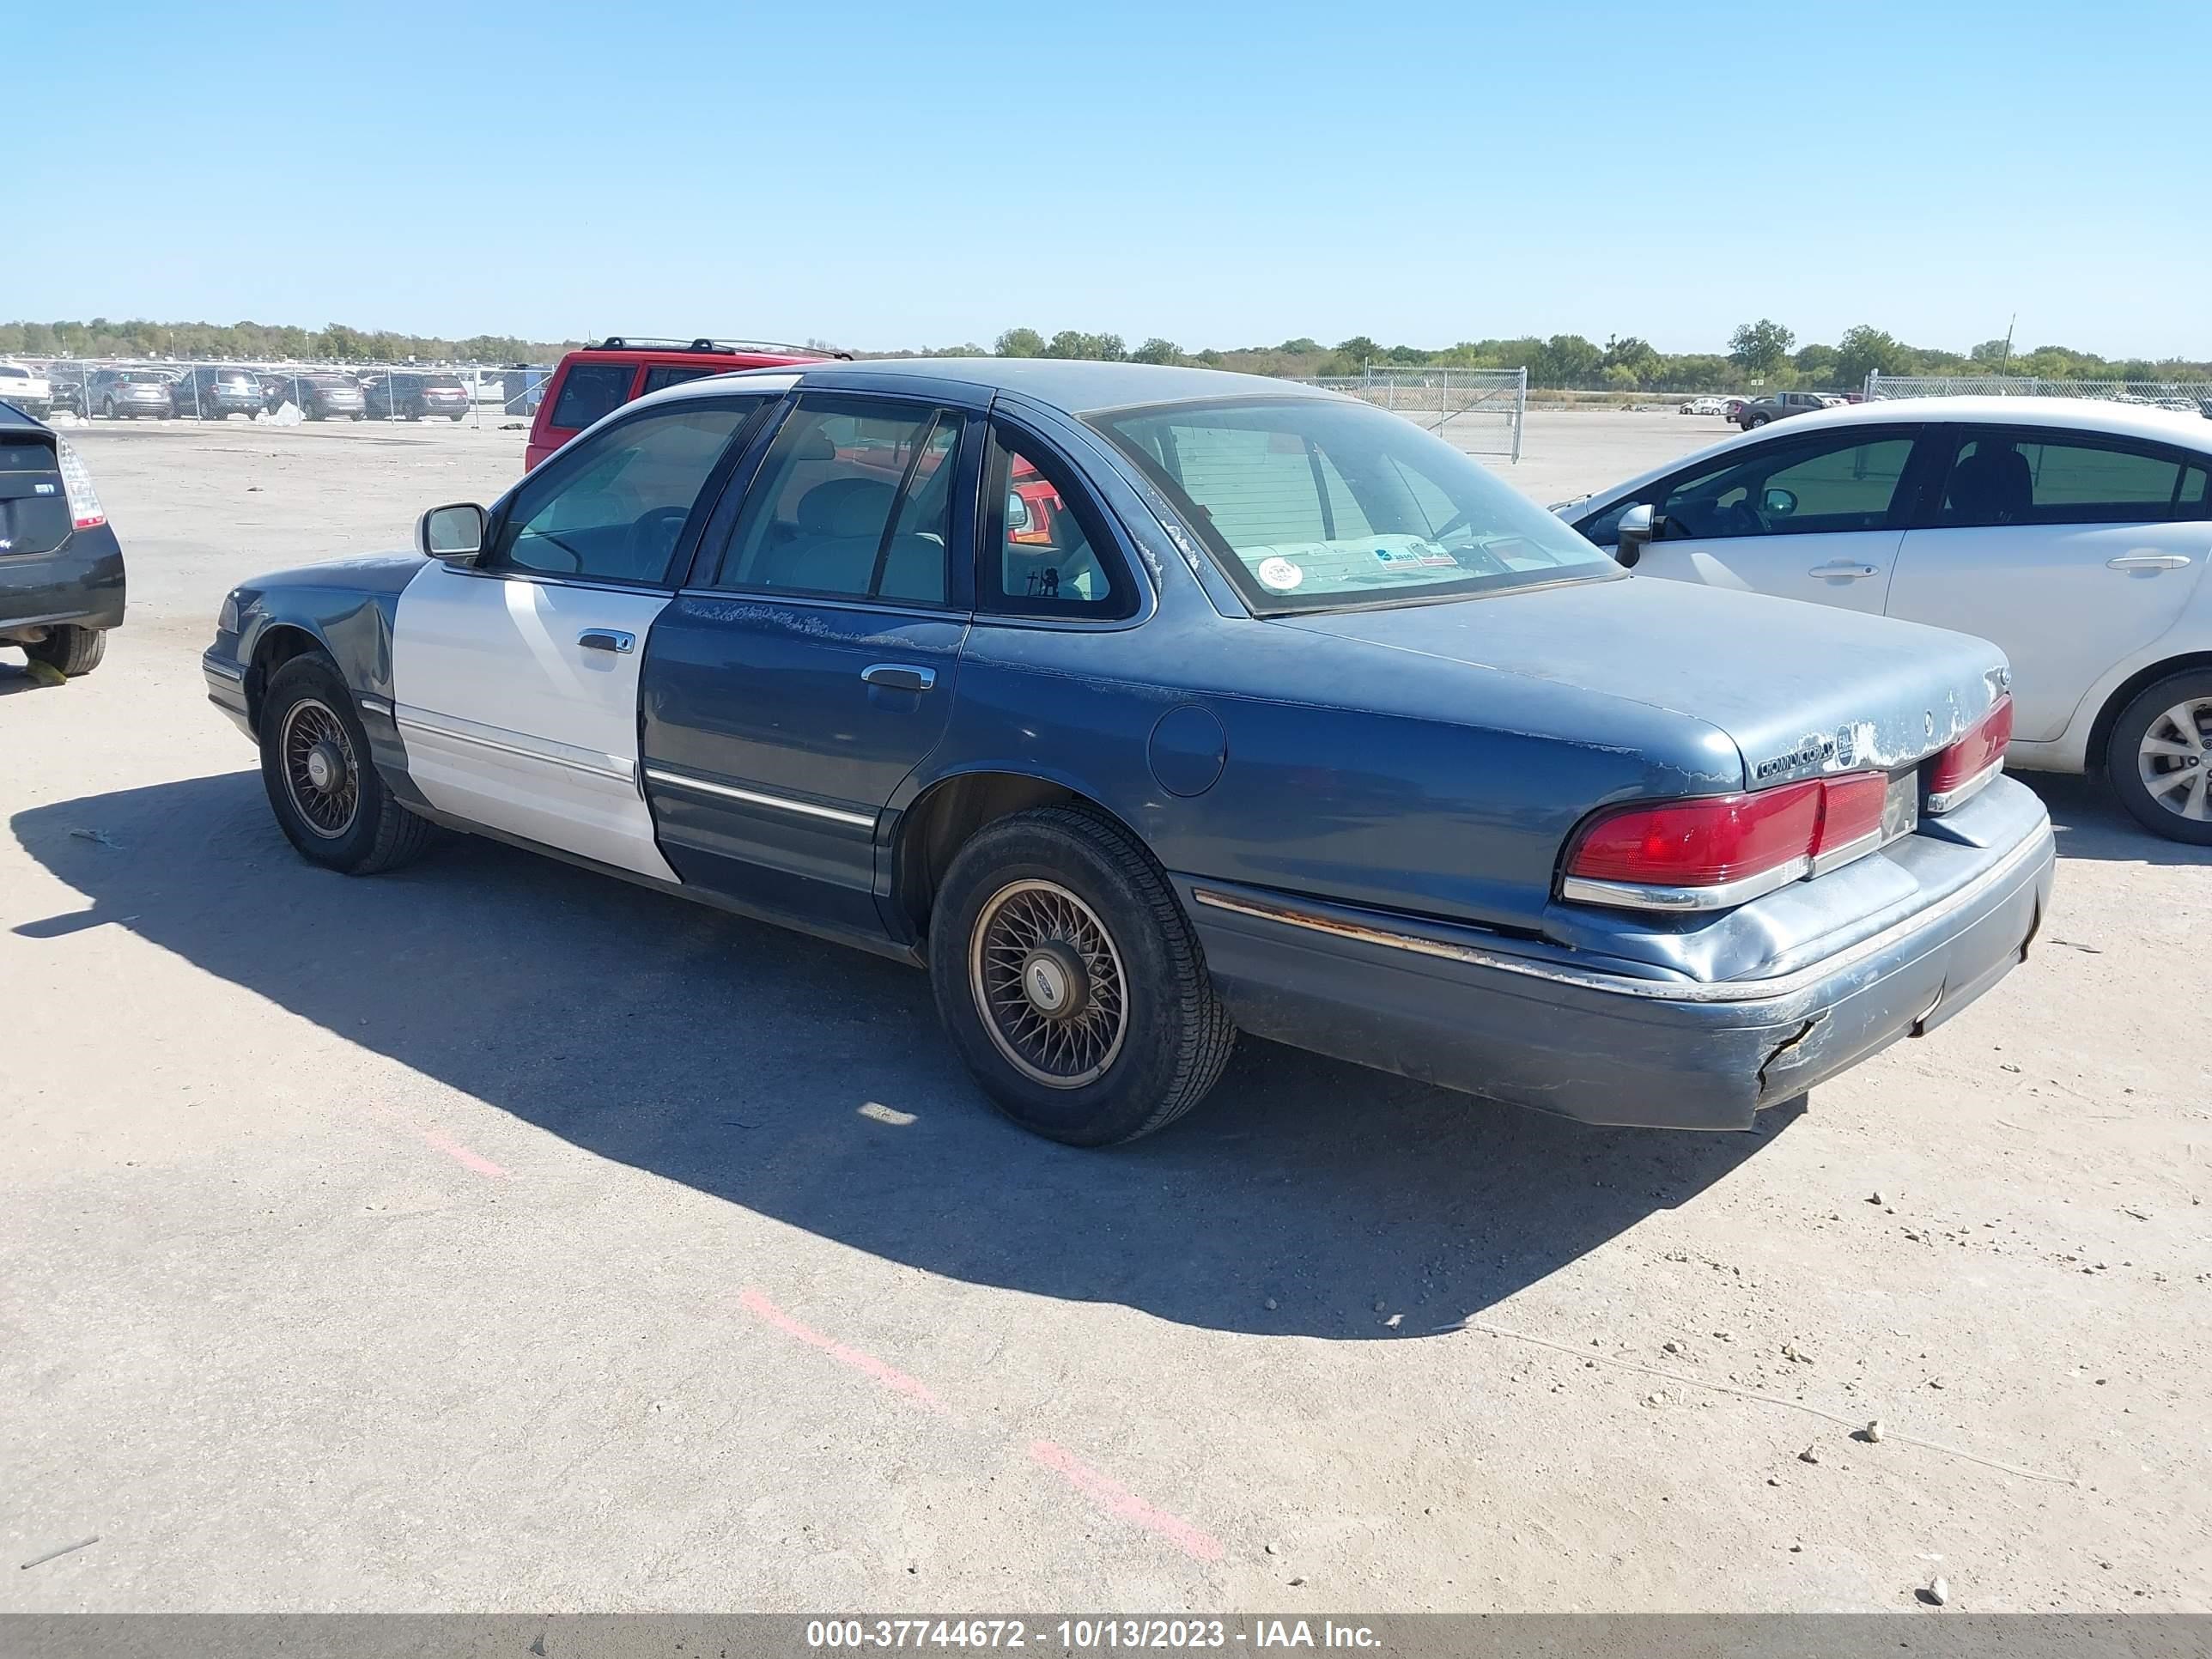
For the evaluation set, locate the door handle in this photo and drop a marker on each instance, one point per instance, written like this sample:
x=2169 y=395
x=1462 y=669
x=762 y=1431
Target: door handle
x=1843 y=569
x=899 y=676
x=2147 y=560
x=607 y=639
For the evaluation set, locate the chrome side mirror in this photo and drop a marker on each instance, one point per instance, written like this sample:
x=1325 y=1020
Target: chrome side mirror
x=455 y=533
x=1640 y=527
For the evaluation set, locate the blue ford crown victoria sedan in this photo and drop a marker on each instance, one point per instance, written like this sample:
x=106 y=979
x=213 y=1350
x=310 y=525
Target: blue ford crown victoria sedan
x=1145 y=706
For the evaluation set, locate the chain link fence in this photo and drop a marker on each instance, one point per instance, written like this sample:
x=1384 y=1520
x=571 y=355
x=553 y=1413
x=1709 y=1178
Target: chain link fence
x=1486 y=407
x=2183 y=397
x=288 y=393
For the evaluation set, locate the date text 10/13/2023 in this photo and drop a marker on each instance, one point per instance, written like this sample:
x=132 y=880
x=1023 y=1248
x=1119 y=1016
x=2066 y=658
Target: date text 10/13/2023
x=1087 y=1635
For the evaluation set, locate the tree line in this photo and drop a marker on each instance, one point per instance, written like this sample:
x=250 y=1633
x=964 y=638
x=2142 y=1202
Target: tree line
x=263 y=343
x=1764 y=353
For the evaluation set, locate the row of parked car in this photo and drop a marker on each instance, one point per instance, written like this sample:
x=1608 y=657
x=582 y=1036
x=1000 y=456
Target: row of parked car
x=212 y=392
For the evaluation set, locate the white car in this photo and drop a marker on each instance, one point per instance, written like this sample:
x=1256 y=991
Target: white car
x=1706 y=406
x=29 y=389
x=2074 y=534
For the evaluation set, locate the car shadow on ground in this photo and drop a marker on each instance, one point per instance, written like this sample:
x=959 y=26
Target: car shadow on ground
x=2090 y=824
x=811 y=1084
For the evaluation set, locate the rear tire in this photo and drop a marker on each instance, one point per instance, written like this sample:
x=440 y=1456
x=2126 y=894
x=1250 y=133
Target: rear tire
x=70 y=648
x=322 y=785
x=1756 y=421
x=2147 y=759
x=1126 y=1034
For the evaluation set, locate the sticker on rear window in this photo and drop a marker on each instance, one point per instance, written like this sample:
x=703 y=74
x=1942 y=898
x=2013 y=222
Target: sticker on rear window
x=1280 y=574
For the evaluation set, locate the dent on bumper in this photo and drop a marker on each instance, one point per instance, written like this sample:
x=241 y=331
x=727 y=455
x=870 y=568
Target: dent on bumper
x=1467 y=1010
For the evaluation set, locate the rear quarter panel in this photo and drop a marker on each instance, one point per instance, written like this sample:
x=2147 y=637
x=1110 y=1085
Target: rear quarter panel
x=1432 y=788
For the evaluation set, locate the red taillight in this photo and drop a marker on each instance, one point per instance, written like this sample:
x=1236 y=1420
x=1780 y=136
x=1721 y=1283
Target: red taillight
x=1703 y=842
x=1963 y=769
x=76 y=483
x=1715 y=850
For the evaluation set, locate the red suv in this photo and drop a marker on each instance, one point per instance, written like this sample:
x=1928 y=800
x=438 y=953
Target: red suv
x=600 y=379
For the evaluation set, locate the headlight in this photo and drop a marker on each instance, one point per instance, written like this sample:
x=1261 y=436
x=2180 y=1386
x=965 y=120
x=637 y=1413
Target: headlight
x=226 y=620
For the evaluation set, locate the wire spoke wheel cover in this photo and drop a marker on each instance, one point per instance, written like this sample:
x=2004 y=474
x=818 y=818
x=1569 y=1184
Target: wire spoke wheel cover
x=1048 y=982
x=2175 y=756
x=321 y=772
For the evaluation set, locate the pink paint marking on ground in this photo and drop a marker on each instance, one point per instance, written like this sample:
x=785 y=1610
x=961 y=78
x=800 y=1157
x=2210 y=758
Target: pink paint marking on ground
x=438 y=1140
x=1117 y=1500
x=867 y=1363
x=461 y=1154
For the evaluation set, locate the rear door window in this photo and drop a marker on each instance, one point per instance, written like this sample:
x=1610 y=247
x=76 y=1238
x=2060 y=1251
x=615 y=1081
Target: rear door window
x=853 y=501
x=667 y=374
x=589 y=391
x=2023 y=476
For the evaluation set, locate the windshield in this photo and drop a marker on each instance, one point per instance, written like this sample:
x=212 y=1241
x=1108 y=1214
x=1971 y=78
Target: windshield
x=1322 y=504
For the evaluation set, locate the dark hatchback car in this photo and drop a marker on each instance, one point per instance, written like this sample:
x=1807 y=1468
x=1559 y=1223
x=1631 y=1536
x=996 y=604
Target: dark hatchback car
x=61 y=569
x=133 y=393
x=318 y=394
x=1282 y=715
x=207 y=392
x=407 y=395
x=68 y=383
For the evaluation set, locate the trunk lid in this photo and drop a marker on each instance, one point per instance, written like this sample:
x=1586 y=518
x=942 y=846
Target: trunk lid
x=1801 y=688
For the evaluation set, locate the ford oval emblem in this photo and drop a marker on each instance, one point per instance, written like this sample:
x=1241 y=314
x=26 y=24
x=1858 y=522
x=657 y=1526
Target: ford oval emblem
x=1928 y=722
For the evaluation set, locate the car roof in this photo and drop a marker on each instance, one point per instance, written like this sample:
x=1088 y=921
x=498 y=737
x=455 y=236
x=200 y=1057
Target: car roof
x=1072 y=386
x=2096 y=414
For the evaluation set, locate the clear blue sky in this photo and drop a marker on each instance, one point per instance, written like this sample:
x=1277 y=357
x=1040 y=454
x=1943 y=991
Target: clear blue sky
x=927 y=172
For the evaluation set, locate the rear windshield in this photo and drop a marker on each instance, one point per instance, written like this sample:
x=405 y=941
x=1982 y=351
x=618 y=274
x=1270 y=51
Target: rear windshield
x=1317 y=505
x=443 y=383
x=142 y=376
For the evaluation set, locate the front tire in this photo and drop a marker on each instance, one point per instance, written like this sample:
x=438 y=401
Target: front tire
x=70 y=648
x=1071 y=982
x=322 y=786
x=2158 y=759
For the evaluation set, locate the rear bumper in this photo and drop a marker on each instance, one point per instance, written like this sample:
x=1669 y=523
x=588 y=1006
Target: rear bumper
x=1472 y=1011
x=80 y=581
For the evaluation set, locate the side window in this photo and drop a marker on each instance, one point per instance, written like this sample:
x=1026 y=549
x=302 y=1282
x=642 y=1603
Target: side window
x=1999 y=478
x=1044 y=552
x=853 y=501
x=1834 y=482
x=613 y=508
x=667 y=374
x=589 y=391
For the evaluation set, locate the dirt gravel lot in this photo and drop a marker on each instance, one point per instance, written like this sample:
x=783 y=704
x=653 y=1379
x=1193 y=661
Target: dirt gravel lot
x=493 y=1235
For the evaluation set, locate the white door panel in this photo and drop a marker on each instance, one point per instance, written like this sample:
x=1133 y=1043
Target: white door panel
x=2064 y=601
x=511 y=722
x=1850 y=569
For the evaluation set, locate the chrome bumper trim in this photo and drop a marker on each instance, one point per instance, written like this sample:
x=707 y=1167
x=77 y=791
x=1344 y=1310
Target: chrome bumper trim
x=1755 y=990
x=1967 y=791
